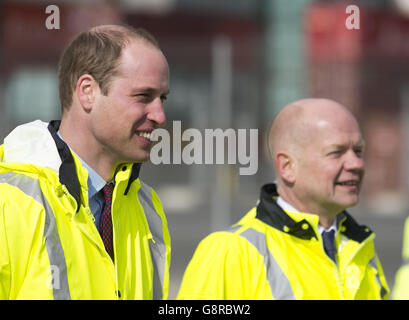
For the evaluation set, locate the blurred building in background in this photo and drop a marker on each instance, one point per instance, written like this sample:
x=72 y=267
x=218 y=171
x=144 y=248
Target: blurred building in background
x=234 y=64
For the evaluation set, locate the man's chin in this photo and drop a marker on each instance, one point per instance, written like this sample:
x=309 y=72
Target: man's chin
x=140 y=157
x=350 y=203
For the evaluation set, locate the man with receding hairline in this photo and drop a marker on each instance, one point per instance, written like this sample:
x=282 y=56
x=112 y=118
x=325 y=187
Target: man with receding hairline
x=298 y=242
x=76 y=222
x=334 y=129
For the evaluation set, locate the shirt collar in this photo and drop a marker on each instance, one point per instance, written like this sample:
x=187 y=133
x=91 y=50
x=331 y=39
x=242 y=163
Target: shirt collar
x=95 y=181
x=285 y=205
x=288 y=207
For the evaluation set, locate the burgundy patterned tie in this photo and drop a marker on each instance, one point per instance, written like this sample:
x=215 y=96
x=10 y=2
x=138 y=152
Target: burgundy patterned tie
x=105 y=224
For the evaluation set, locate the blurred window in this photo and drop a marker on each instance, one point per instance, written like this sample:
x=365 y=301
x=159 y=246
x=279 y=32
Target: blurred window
x=32 y=93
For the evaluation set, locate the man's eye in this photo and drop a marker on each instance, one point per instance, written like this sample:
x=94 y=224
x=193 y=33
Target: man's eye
x=359 y=152
x=335 y=153
x=142 y=96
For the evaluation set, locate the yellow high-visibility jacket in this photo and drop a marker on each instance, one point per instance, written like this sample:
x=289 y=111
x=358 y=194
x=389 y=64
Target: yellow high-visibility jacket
x=273 y=254
x=401 y=287
x=50 y=247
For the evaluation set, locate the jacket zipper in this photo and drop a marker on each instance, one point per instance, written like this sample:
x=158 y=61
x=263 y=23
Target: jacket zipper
x=338 y=267
x=91 y=219
x=334 y=264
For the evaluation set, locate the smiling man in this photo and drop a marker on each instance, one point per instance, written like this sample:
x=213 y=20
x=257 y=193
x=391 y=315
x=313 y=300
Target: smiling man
x=76 y=222
x=298 y=242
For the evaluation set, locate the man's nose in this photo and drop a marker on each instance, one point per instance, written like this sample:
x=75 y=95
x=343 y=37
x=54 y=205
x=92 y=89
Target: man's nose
x=156 y=113
x=354 y=162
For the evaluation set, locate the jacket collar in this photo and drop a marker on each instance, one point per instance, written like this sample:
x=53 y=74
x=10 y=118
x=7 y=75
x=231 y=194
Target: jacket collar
x=67 y=173
x=272 y=214
x=31 y=144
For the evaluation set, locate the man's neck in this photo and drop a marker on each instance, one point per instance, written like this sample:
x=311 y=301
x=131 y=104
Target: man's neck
x=80 y=142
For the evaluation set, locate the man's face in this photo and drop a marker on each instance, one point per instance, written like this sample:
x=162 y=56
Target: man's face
x=331 y=167
x=123 y=120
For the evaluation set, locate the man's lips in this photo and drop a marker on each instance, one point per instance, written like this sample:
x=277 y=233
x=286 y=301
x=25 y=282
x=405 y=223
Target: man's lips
x=351 y=183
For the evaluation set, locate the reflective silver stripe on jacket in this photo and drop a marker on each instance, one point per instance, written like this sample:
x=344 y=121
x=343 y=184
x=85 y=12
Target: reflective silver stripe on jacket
x=373 y=264
x=55 y=251
x=157 y=248
x=279 y=284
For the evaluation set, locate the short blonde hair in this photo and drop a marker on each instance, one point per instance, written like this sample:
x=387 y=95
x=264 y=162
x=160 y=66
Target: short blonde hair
x=95 y=52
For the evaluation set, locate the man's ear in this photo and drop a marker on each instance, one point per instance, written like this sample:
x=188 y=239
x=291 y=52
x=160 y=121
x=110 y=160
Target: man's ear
x=86 y=91
x=286 y=166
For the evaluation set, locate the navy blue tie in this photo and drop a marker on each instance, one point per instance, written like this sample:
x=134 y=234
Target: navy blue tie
x=329 y=243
